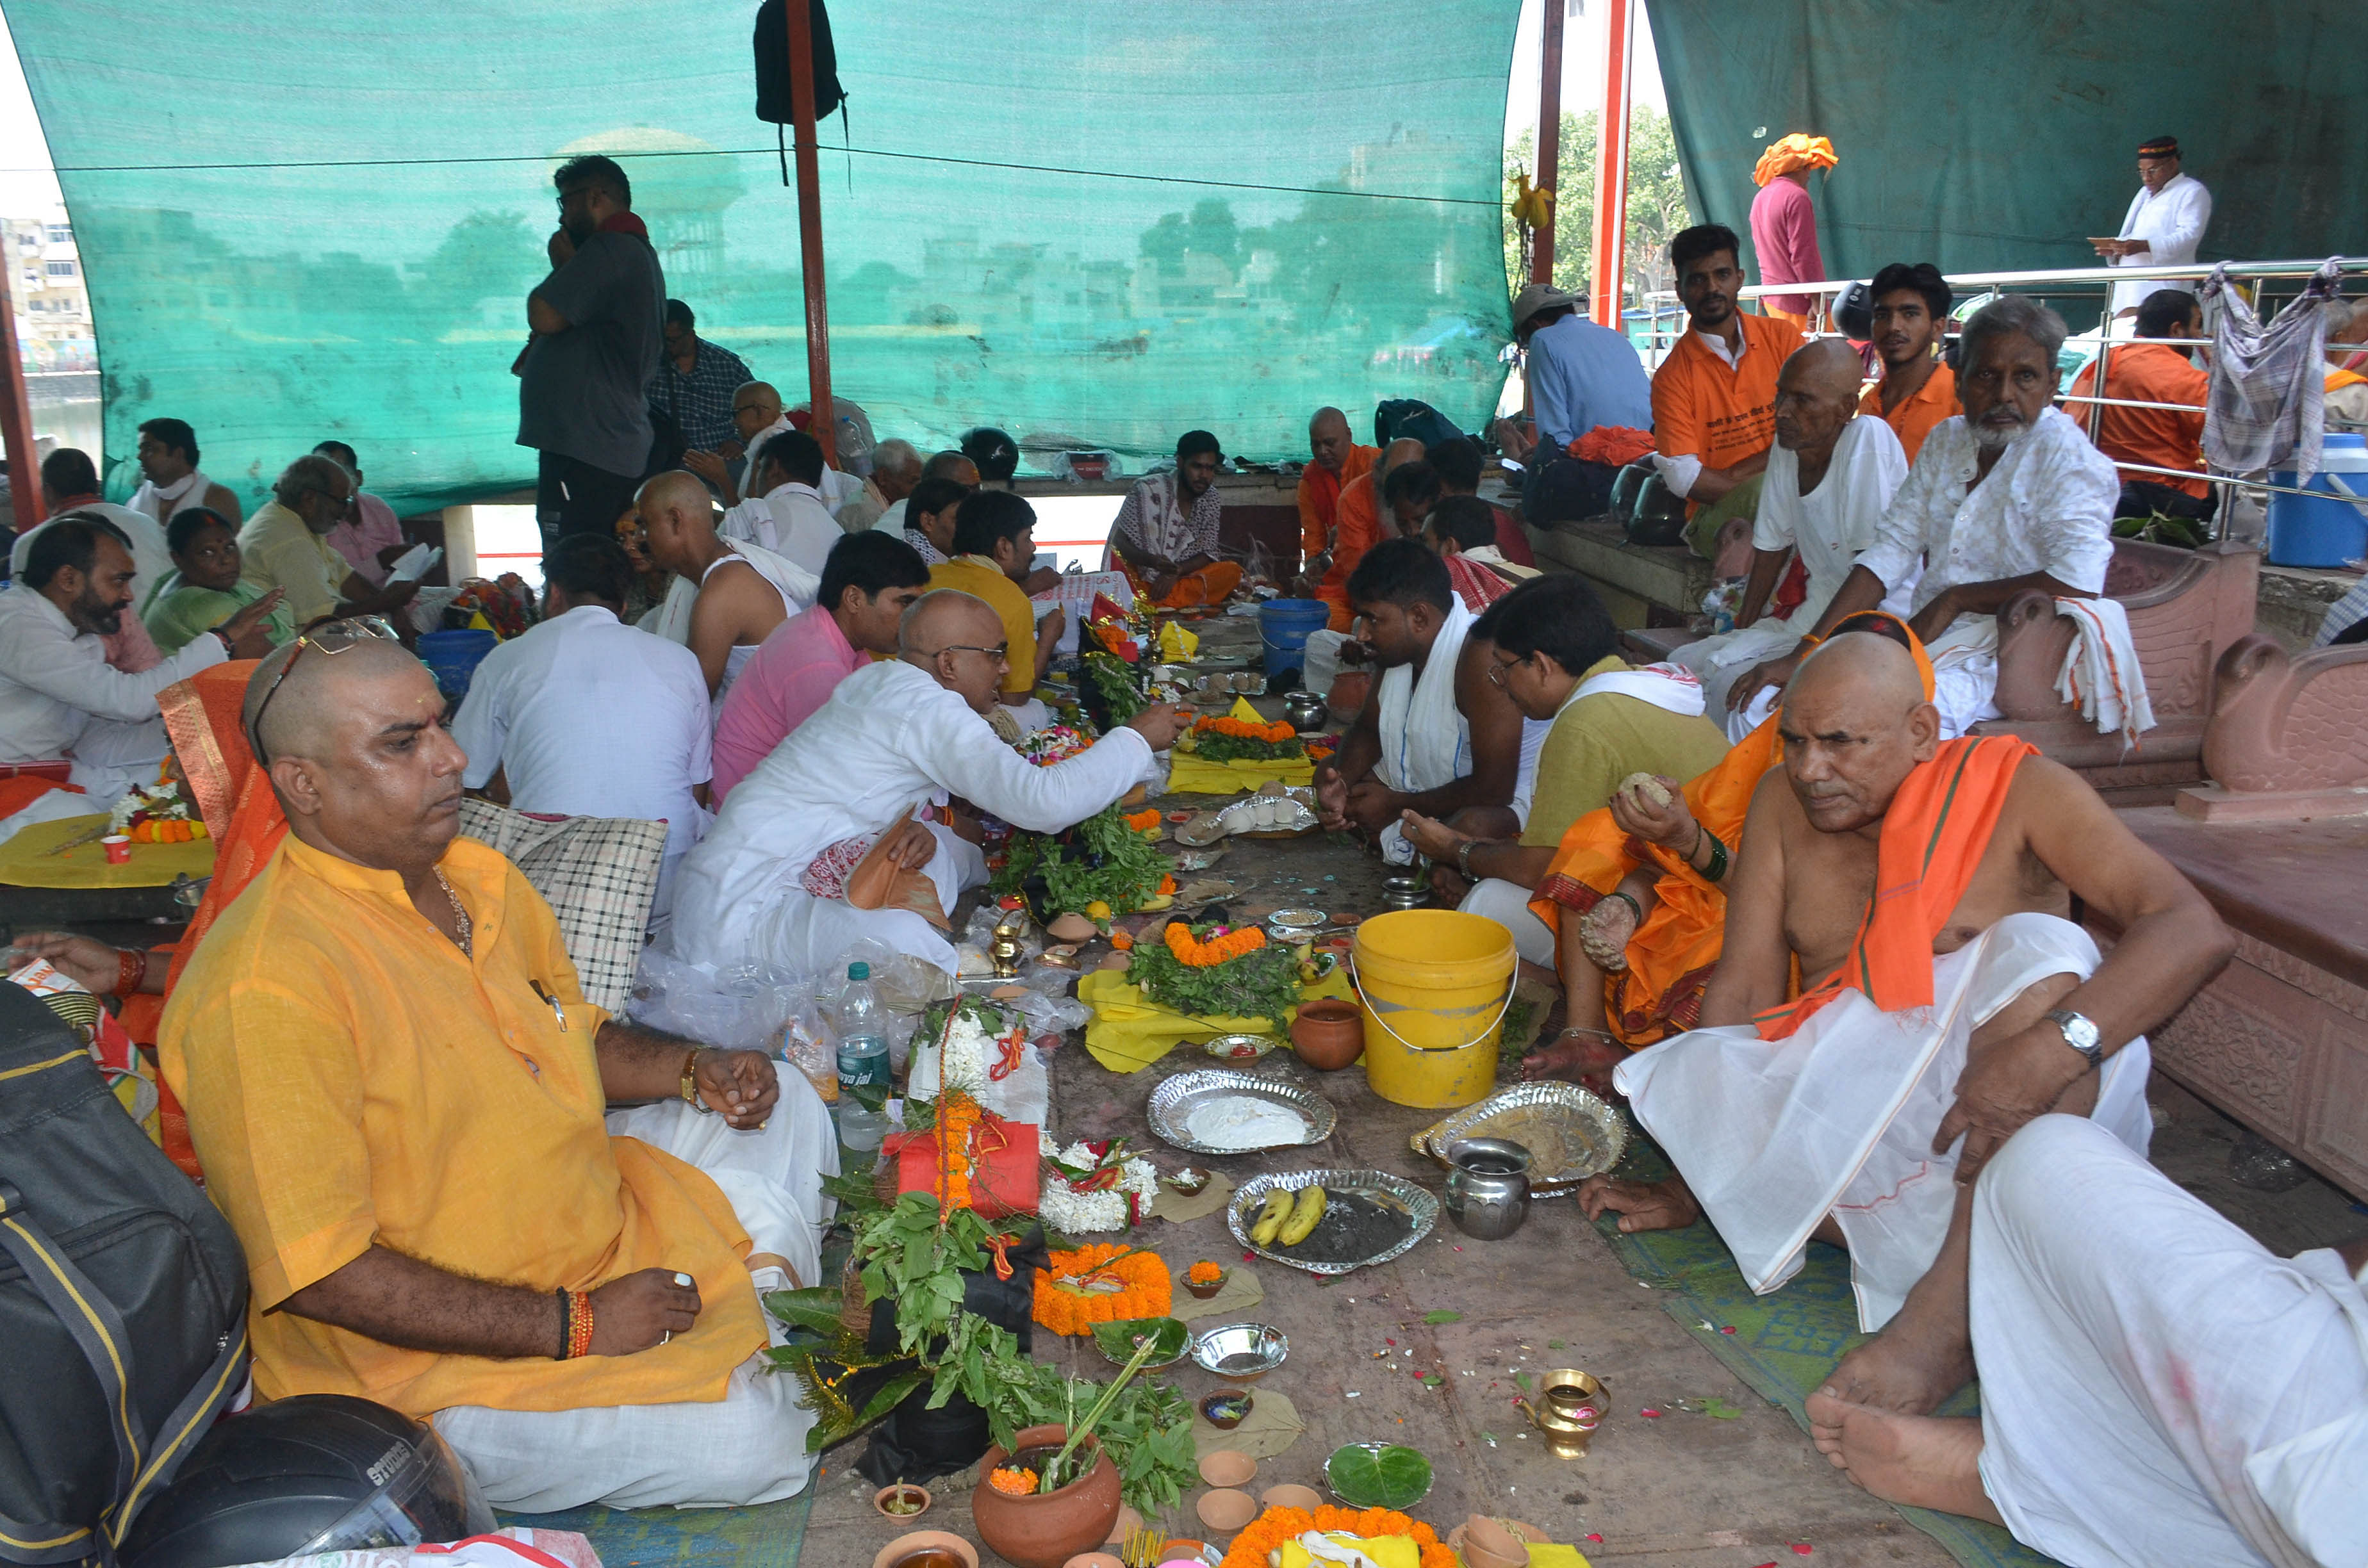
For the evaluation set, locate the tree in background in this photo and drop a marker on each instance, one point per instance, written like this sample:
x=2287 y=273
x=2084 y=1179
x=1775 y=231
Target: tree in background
x=1656 y=203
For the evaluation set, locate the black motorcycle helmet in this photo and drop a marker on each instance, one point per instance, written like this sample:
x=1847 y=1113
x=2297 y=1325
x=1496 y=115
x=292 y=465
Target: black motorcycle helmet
x=993 y=452
x=318 y=1472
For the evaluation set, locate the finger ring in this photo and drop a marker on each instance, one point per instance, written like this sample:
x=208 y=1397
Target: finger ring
x=684 y=1280
x=669 y=1335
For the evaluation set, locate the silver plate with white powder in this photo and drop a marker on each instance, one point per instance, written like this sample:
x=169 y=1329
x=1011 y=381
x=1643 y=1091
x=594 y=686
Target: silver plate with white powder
x=1173 y=1103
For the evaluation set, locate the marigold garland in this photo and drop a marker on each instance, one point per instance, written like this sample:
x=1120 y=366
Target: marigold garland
x=957 y=1115
x=1144 y=822
x=1242 y=729
x=166 y=830
x=1222 y=948
x=1274 y=1526
x=1144 y=1289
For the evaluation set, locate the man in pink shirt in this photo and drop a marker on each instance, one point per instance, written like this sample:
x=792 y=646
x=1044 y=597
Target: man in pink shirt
x=370 y=537
x=1784 y=222
x=868 y=582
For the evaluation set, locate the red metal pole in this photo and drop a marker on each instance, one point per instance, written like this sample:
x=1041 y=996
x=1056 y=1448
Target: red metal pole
x=16 y=422
x=824 y=424
x=1612 y=170
x=1542 y=238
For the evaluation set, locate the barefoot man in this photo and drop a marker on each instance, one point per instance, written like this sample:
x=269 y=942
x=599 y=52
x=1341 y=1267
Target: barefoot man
x=1924 y=888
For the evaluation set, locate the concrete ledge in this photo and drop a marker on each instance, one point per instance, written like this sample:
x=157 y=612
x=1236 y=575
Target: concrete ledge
x=1644 y=578
x=2294 y=600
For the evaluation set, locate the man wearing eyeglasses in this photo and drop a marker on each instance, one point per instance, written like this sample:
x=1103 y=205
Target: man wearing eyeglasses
x=771 y=880
x=286 y=545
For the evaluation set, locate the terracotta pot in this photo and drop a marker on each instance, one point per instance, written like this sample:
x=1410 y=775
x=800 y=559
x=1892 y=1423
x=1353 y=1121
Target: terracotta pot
x=1045 y=1530
x=1328 y=1034
x=1347 y=698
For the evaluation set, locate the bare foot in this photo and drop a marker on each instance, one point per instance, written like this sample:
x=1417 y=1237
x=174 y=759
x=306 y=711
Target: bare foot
x=1921 y=1461
x=1907 y=1369
x=1640 y=1205
x=1573 y=1056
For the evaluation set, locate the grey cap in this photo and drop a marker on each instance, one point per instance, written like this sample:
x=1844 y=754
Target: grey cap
x=1538 y=297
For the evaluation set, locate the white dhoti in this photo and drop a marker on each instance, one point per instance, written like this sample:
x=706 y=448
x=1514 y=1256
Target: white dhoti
x=1507 y=904
x=745 y=1449
x=1838 y=1118
x=2157 y=1386
x=111 y=757
x=1719 y=662
x=806 y=935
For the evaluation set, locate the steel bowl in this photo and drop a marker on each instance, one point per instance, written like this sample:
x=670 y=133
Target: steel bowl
x=1241 y=1352
x=1240 y=1047
x=1170 y=1107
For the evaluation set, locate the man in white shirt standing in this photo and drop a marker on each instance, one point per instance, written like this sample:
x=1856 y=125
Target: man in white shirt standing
x=785 y=511
x=59 y=696
x=2166 y=222
x=584 y=716
x=170 y=479
x=2007 y=495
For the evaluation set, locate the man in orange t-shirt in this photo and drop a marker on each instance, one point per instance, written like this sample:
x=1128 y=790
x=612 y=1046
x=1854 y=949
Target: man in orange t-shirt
x=1360 y=524
x=1917 y=390
x=2150 y=371
x=1714 y=396
x=1336 y=461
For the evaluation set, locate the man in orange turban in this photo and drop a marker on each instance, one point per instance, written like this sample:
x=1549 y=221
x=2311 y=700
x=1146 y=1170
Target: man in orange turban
x=1784 y=221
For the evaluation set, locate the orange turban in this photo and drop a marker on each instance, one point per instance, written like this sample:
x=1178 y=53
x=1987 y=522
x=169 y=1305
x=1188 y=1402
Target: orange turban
x=1794 y=152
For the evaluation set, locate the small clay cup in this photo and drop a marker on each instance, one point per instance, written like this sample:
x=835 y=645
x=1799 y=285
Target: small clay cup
x=889 y=1493
x=1328 y=1034
x=1208 y=1291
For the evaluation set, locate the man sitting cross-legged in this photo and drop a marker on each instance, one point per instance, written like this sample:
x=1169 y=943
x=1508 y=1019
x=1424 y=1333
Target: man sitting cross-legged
x=401 y=1099
x=1437 y=736
x=1165 y=536
x=1922 y=888
x=1829 y=482
x=772 y=879
x=727 y=595
x=2157 y=1386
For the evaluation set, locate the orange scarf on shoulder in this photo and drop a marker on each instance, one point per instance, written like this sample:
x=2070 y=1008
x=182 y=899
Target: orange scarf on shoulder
x=1933 y=836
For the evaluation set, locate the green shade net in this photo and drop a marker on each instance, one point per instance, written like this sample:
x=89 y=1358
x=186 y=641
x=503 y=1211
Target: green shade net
x=1093 y=222
x=1993 y=138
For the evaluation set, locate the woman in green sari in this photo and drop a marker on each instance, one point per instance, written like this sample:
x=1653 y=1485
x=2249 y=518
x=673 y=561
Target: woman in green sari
x=204 y=589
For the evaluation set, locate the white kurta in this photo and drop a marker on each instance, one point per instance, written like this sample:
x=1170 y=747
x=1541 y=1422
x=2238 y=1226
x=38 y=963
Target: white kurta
x=889 y=738
x=2172 y=222
x=59 y=696
x=1837 y=1117
x=2157 y=1386
x=790 y=520
x=1425 y=739
x=152 y=561
x=1830 y=526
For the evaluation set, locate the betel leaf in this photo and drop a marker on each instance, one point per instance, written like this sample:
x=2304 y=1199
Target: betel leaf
x=1442 y=1314
x=1719 y=1410
x=1523 y=1379
x=1117 y=1339
x=814 y=1310
x=1378 y=1475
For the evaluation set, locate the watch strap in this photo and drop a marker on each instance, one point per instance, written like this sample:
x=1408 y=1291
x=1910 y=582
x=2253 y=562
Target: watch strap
x=2064 y=1019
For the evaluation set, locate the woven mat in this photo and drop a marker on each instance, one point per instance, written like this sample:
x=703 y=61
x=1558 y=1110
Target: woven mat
x=1272 y=1426
x=771 y=1536
x=1784 y=1344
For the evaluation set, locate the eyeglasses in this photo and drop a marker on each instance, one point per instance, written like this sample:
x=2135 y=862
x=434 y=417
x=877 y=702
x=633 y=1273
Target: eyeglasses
x=1001 y=653
x=329 y=637
x=1496 y=668
x=343 y=503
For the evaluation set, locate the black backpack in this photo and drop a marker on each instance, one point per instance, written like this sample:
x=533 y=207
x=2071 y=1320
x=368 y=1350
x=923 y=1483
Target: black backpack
x=122 y=1302
x=771 y=45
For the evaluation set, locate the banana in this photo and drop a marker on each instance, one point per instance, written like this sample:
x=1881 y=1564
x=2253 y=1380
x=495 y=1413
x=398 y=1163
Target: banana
x=1304 y=1215
x=1270 y=1220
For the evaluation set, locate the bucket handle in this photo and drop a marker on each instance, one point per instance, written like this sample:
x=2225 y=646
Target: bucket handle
x=1512 y=983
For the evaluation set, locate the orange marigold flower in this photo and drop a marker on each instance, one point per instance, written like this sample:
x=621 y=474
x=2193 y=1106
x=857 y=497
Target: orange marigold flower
x=1144 y=1288
x=1197 y=953
x=1144 y=822
x=1013 y=1479
x=1121 y=942
x=1204 y=1273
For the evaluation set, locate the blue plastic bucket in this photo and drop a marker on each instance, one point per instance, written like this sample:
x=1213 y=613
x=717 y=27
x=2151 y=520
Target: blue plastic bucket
x=453 y=657
x=1283 y=627
x=2331 y=527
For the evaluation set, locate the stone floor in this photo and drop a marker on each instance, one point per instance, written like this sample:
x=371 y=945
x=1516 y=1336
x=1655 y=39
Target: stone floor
x=1684 y=1490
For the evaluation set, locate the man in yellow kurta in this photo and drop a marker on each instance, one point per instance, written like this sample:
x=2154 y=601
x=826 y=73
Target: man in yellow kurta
x=397 y=1092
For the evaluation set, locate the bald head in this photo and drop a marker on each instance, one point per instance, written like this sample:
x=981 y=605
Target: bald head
x=1404 y=450
x=302 y=710
x=953 y=637
x=1817 y=395
x=1855 y=723
x=1328 y=442
x=954 y=466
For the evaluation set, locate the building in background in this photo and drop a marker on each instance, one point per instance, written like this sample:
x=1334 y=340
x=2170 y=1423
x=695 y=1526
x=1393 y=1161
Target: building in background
x=45 y=285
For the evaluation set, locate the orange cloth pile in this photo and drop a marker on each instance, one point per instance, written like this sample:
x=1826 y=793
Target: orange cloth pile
x=1614 y=446
x=1793 y=152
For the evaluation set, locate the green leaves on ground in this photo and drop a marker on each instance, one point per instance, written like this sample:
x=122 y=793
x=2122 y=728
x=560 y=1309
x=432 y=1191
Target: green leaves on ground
x=1527 y=1386
x=1719 y=1410
x=1553 y=1345
x=1261 y=983
x=1385 y=1476
x=1442 y=1314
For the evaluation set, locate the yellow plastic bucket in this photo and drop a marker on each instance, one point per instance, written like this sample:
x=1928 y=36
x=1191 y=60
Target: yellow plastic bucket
x=1433 y=985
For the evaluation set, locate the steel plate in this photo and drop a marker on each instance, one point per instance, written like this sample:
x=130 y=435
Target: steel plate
x=1250 y=1197
x=1594 y=1135
x=1172 y=1104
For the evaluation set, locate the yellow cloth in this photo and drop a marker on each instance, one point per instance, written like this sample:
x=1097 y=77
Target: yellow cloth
x=351 y=1078
x=983 y=579
x=1189 y=774
x=25 y=861
x=1176 y=645
x=1792 y=152
x=280 y=552
x=1389 y=1550
x=1553 y=1554
x=1129 y=1033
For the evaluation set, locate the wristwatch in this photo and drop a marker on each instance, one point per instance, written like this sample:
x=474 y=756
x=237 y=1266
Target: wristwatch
x=2079 y=1034
x=690 y=1083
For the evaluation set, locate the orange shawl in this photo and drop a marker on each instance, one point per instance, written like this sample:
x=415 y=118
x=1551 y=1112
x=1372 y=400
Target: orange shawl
x=242 y=816
x=1319 y=498
x=1671 y=955
x=1933 y=835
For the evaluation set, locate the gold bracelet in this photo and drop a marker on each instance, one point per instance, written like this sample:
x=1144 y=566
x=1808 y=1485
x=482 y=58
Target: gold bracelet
x=690 y=1083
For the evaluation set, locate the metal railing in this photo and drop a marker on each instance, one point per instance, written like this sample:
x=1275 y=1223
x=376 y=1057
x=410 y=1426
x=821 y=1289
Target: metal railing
x=2087 y=285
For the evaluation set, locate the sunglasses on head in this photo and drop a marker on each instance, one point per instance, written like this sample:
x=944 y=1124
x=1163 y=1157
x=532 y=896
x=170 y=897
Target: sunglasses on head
x=330 y=637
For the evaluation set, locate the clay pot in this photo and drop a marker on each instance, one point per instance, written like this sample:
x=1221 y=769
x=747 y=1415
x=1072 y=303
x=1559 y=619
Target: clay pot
x=1347 y=697
x=1328 y=1034
x=901 y=1490
x=1045 y=1530
x=1226 y=1510
x=1292 y=1497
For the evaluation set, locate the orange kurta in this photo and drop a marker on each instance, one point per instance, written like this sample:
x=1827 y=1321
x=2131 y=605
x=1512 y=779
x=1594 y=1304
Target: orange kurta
x=1319 y=498
x=1355 y=529
x=353 y=1078
x=2148 y=372
x=1916 y=414
x=1704 y=408
x=1934 y=831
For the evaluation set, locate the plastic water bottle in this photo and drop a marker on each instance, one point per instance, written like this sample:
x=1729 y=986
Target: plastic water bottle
x=862 y=1060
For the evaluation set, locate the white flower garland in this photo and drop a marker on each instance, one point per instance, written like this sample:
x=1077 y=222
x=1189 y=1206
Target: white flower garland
x=1075 y=1213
